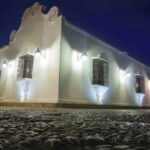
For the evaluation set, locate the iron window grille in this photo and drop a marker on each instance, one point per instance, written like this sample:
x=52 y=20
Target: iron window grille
x=100 y=72
x=25 y=66
x=140 y=84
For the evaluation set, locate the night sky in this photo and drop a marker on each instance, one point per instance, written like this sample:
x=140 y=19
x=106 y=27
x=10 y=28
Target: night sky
x=124 y=24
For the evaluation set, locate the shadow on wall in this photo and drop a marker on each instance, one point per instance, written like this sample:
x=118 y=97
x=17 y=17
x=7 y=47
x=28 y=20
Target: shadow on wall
x=77 y=41
x=121 y=60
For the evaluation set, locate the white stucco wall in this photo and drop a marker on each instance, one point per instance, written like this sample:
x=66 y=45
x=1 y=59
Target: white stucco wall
x=76 y=76
x=57 y=75
x=37 y=31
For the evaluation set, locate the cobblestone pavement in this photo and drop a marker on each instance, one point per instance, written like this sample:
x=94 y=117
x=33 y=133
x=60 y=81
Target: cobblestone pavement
x=74 y=129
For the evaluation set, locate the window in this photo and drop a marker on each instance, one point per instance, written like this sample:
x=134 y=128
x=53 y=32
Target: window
x=140 y=85
x=100 y=72
x=25 y=67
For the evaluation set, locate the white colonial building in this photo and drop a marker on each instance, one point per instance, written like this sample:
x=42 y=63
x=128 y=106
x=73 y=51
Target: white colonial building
x=48 y=60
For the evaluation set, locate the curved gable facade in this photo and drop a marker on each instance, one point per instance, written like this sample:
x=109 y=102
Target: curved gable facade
x=37 y=31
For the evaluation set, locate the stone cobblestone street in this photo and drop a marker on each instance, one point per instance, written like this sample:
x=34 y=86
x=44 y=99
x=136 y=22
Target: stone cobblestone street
x=74 y=129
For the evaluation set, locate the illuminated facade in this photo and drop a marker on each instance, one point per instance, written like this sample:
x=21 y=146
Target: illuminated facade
x=49 y=60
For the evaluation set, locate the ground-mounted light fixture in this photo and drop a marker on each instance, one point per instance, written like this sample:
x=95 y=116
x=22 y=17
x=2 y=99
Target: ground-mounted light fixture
x=81 y=56
x=5 y=64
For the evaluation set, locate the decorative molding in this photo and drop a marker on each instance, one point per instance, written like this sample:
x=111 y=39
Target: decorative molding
x=53 y=13
x=35 y=7
x=12 y=35
x=29 y=12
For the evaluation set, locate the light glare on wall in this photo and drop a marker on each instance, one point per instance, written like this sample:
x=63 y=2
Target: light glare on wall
x=128 y=74
x=38 y=53
x=140 y=97
x=123 y=73
x=5 y=64
x=11 y=66
x=82 y=56
x=77 y=65
x=100 y=90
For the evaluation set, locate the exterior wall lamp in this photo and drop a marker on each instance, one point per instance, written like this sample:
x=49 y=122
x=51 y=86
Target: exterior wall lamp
x=82 y=56
x=5 y=64
x=39 y=53
x=127 y=73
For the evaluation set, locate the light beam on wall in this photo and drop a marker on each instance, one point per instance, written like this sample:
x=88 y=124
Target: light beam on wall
x=11 y=67
x=23 y=89
x=77 y=65
x=81 y=56
x=139 y=98
x=124 y=74
x=100 y=91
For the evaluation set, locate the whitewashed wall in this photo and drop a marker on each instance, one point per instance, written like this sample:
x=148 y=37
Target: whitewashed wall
x=59 y=76
x=76 y=76
x=41 y=31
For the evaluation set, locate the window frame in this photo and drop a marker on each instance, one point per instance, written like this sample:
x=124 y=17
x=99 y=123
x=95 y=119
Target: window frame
x=25 y=67
x=105 y=80
x=139 y=83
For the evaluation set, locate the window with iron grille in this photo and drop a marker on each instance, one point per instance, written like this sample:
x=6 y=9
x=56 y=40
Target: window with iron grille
x=100 y=72
x=25 y=67
x=140 y=84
